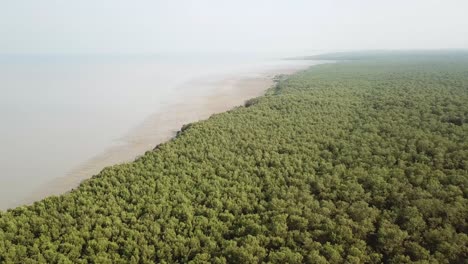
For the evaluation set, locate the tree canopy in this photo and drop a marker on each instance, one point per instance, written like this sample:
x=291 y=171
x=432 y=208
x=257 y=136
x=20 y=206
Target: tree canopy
x=364 y=161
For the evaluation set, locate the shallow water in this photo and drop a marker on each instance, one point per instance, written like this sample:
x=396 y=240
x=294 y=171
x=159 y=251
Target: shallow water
x=57 y=112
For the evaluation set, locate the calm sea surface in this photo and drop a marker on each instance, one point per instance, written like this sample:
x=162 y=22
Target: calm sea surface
x=58 y=111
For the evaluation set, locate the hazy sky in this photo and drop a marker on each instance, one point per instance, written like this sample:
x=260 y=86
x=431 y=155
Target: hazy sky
x=89 y=26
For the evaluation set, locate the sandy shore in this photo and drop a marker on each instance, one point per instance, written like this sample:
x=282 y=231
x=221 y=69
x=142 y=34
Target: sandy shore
x=225 y=94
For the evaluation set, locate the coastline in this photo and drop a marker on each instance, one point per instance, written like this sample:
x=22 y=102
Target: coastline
x=223 y=95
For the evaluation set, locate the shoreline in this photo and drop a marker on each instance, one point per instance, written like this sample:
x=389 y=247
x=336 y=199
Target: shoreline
x=222 y=95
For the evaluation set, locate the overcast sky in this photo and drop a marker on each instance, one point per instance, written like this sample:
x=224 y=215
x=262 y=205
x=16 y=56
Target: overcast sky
x=128 y=26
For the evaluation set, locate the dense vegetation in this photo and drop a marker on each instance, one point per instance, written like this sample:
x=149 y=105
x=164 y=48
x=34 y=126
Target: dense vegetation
x=353 y=162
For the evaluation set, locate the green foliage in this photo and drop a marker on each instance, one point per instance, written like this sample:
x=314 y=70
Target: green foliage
x=353 y=162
